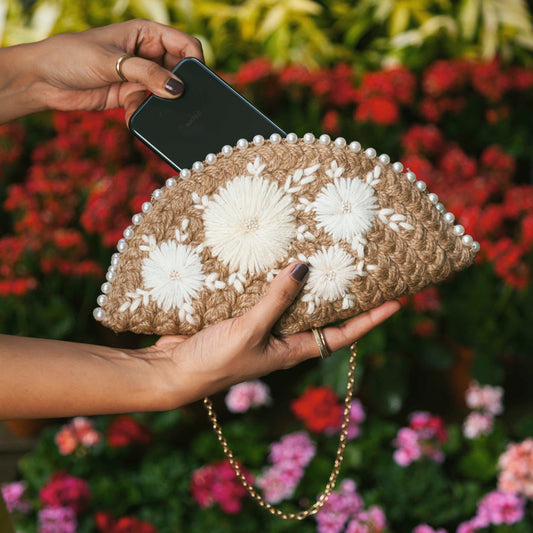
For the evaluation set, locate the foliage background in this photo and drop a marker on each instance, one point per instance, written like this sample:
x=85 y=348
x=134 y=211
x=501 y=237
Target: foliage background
x=70 y=183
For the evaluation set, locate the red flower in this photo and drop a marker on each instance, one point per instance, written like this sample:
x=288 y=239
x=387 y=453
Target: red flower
x=125 y=430
x=423 y=139
x=63 y=490
x=425 y=328
x=396 y=83
x=127 y=524
x=427 y=300
x=253 y=71
x=379 y=109
x=520 y=78
x=457 y=165
x=489 y=80
x=497 y=164
x=295 y=74
x=217 y=483
x=445 y=76
x=330 y=122
x=319 y=409
x=419 y=165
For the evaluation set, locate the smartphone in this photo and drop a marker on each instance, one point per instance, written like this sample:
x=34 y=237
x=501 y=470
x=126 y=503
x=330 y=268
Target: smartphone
x=208 y=115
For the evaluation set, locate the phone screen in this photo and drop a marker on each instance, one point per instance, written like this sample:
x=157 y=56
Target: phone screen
x=208 y=115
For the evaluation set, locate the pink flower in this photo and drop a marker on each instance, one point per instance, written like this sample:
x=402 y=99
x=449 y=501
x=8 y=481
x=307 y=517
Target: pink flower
x=295 y=448
x=408 y=447
x=371 y=521
x=501 y=508
x=13 y=494
x=64 y=490
x=279 y=481
x=467 y=527
x=484 y=398
x=357 y=417
x=340 y=507
x=244 y=396
x=79 y=432
x=424 y=528
x=516 y=465
x=477 y=424
x=57 y=520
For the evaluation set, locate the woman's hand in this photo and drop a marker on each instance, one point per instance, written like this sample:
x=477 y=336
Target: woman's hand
x=244 y=348
x=77 y=71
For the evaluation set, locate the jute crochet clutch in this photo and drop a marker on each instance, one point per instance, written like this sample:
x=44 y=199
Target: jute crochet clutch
x=208 y=243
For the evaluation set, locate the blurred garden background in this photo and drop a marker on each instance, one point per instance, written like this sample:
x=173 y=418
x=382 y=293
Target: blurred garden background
x=442 y=428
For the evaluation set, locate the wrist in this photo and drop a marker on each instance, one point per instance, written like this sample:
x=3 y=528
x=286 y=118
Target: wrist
x=19 y=87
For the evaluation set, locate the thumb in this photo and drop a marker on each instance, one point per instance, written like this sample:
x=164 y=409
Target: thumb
x=281 y=293
x=154 y=77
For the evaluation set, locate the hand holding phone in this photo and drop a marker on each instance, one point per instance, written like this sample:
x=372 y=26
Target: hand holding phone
x=208 y=115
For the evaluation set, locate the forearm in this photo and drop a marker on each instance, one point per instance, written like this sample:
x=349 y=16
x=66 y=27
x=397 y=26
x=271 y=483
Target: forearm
x=19 y=84
x=45 y=379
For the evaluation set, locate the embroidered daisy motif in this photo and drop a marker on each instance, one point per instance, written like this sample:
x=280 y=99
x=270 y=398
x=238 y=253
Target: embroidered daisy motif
x=331 y=272
x=250 y=224
x=173 y=274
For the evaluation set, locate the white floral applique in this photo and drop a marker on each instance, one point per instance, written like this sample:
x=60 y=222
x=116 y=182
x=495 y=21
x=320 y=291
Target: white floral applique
x=331 y=272
x=249 y=223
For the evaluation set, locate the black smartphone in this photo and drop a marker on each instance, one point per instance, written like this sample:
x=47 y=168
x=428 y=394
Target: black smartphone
x=208 y=115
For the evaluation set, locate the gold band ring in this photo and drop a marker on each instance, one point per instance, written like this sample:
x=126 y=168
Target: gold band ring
x=325 y=352
x=118 y=66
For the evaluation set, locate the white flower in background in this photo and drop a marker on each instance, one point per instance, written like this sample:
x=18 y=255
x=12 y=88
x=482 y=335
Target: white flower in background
x=477 y=424
x=485 y=398
x=346 y=209
x=173 y=274
x=331 y=272
x=250 y=224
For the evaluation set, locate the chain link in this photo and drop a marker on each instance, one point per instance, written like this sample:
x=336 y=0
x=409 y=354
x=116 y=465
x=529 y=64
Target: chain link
x=323 y=498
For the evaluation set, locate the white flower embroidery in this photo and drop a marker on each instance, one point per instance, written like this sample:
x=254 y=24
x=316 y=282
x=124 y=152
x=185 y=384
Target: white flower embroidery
x=174 y=275
x=331 y=271
x=346 y=209
x=250 y=224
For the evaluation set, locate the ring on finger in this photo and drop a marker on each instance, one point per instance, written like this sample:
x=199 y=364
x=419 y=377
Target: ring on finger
x=118 y=66
x=325 y=352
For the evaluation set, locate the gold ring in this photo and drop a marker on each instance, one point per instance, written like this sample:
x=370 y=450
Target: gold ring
x=325 y=352
x=118 y=66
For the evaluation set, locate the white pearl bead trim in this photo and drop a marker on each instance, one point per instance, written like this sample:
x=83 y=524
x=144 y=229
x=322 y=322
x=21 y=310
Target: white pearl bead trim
x=258 y=140
x=171 y=182
x=292 y=138
x=210 y=159
x=185 y=173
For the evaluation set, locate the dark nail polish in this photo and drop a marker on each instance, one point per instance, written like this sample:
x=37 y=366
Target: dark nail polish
x=174 y=87
x=299 y=272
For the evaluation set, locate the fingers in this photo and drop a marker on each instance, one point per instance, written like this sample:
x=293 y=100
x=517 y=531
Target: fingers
x=303 y=345
x=154 y=77
x=281 y=293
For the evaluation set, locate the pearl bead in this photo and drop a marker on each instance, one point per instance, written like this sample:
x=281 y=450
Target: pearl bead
x=398 y=167
x=137 y=218
x=370 y=153
x=275 y=138
x=292 y=138
x=170 y=182
x=449 y=217
x=411 y=176
x=340 y=142
x=197 y=166
x=115 y=259
x=101 y=300
x=355 y=146
x=106 y=287
x=128 y=232
x=122 y=245
x=475 y=246
x=421 y=185
x=440 y=208
x=309 y=138
x=98 y=314
x=325 y=138
x=146 y=207
x=185 y=173
x=242 y=144
x=433 y=198
x=258 y=140
x=156 y=195
x=111 y=268
x=210 y=159
x=110 y=275
x=384 y=158
x=458 y=230
x=227 y=150
x=467 y=240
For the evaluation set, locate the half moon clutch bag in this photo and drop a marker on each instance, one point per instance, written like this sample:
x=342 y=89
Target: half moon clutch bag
x=207 y=245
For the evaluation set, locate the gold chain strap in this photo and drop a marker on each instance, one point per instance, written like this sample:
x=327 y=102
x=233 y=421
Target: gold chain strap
x=323 y=498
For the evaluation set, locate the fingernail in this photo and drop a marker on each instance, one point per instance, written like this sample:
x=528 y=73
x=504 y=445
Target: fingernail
x=174 y=86
x=299 y=272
